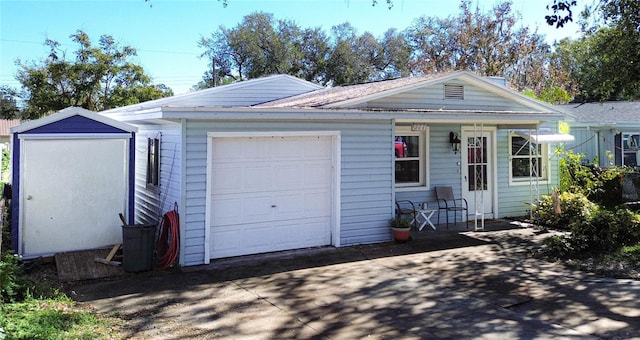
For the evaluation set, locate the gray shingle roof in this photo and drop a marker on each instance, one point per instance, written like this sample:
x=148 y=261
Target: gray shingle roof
x=606 y=112
x=338 y=94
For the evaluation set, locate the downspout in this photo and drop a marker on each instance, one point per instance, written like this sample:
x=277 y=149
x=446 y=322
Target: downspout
x=597 y=141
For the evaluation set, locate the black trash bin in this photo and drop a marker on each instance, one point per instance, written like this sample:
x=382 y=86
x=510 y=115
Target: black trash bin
x=138 y=243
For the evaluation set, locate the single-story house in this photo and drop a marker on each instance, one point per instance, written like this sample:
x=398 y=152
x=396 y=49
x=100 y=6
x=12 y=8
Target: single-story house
x=607 y=133
x=72 y=175
x=280 y=163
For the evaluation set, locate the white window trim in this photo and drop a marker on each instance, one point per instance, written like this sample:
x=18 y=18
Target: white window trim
x=403 y=130
x=544 y=155
x=629 y=148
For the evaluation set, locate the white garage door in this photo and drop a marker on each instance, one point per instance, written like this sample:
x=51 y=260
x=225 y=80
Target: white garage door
x=270 y=194
x=71 y=194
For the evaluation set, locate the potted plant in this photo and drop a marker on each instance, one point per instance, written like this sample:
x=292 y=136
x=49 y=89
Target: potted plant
x=400 y=228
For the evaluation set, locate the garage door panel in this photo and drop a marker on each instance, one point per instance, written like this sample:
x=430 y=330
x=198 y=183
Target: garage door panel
x=287 y=175
x=289 y=206
x=268 y=237
x=257 y=177
x=254 y=148
x=285 y=148
x=225 y=151
x=313 y=149
x=278 y=196
x=226 y=240
x=317 y=203
x=224 y=178
x=317 y=174
x=241 y=210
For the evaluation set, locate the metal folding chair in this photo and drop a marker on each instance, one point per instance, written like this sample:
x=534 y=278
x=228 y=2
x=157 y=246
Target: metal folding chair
x=447 y=202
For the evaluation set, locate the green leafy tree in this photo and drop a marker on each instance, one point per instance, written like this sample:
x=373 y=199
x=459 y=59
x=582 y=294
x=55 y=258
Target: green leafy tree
x=97 y=78
x=604 y=64
x=9 y=103
x=259 y=46
x=490 y=44
x=351 y=56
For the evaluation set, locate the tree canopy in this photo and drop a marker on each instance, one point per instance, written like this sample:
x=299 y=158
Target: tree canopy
x=604 y=64
x=96 y=78
x=9 y=103
x=491 y=44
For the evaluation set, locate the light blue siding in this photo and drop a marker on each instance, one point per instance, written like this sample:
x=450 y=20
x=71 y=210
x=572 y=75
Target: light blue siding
x=514 y=199
x=366 y=177
x=151 y=204
x=443 y=167
x=432 y=97
x=585 y=143
x=597 y=146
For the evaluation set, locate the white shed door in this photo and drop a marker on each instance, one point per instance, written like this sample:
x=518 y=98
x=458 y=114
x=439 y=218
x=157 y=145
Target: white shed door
x=270 y=194
x=71 y=194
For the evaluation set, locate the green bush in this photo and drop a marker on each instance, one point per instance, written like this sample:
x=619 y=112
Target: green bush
x=11 y=279
x=559 y=246
x=599 y=185
x=575 y=207
x=606 y=230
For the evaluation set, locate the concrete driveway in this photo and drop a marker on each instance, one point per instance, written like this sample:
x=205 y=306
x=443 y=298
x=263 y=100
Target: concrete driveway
x=440 y=285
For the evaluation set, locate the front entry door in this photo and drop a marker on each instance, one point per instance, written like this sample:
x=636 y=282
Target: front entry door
x=478 y=170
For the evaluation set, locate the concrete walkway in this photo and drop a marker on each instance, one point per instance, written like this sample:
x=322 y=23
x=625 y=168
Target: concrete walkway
x=440 y=285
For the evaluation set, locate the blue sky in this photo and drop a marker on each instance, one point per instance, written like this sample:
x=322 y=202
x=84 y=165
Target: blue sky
x=165 y=32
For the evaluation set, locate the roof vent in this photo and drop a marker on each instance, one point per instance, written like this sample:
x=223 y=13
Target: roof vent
x=453 y=91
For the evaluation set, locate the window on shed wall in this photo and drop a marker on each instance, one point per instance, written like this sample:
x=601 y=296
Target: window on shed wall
x=520 y=165
x=153 y=162
x=410 y=157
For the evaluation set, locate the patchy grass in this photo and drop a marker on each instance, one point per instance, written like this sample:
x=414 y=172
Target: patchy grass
x=58 y=318
x=32 y=307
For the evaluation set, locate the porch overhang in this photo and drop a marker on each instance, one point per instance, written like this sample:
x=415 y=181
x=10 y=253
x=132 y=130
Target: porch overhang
x=544 y=137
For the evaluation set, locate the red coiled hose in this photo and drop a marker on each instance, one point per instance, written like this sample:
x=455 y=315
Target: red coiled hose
x=168 y=243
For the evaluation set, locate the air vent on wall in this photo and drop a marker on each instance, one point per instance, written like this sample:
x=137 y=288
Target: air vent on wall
x=453 y=91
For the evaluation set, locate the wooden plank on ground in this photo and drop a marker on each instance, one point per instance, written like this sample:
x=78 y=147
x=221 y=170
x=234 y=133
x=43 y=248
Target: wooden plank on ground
x=113 y=252
x=81 y=265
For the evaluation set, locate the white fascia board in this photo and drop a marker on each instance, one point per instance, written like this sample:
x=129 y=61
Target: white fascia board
x=235 y=113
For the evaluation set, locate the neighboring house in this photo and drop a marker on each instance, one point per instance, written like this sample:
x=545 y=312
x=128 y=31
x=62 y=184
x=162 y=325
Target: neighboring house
x=5 y=141
x=5 y=133
x=280 y=163
x=607 y=133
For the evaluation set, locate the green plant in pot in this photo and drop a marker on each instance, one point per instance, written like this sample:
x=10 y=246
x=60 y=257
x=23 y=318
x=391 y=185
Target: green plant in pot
x=401 y=228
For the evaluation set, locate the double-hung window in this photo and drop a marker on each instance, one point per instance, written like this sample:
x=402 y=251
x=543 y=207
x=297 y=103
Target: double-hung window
x=527 y=160
x=410 y=157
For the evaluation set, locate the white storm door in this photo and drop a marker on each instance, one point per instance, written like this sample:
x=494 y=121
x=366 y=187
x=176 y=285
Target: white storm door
x=270 y=194
x=478 y=170
x=71 y=194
